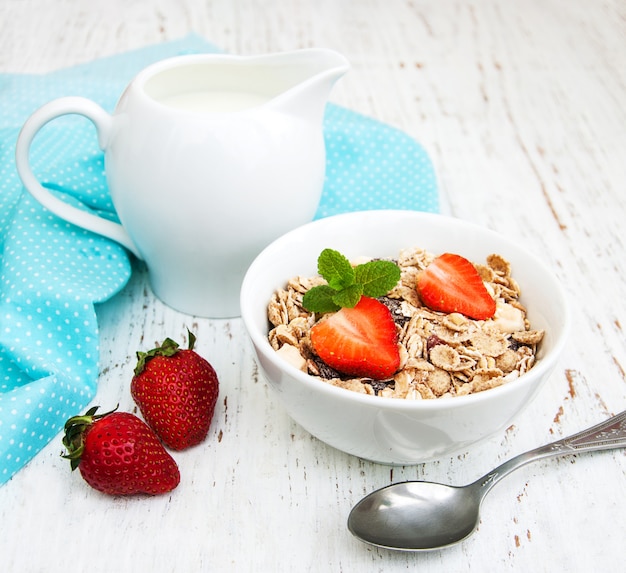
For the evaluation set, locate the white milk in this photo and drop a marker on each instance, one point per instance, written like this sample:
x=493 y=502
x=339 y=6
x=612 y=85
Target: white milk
x=214 y=101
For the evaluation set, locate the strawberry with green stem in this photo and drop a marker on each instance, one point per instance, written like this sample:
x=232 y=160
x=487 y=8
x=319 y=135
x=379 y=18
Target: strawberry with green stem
x=118 y=454
x=176 y=390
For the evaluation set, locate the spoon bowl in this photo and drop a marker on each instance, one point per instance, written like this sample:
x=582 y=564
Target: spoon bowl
x=416 y=516
x=421 y=515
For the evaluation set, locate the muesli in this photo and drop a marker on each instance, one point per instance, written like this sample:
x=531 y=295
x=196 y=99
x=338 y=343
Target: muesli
x=441 y=354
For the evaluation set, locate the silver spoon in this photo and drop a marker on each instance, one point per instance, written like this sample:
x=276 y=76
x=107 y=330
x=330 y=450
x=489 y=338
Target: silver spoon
x=420 y=515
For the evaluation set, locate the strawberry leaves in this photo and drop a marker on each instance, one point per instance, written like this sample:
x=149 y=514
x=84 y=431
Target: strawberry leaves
x=75 y=429
x=347 y=284
x=168 y=348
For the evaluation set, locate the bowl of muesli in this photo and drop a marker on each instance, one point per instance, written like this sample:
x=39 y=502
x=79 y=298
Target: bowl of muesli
x=402 y=337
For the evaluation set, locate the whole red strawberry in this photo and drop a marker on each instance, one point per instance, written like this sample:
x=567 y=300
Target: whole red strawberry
x=176 y=391
x=118 y=454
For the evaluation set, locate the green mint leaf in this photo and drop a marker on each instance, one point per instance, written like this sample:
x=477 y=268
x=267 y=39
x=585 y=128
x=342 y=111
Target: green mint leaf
x=346 y=284
x=349 y=296
x=320 y=299
x=335 y=268
x=377 y=277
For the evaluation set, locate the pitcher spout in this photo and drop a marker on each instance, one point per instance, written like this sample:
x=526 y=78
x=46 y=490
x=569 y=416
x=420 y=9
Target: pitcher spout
x=310 y=75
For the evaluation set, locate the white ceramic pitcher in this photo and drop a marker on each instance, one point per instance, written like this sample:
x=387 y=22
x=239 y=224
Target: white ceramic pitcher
x=208 y=159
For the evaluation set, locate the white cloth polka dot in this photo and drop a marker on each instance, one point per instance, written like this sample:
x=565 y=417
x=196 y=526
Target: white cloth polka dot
x=52 y=273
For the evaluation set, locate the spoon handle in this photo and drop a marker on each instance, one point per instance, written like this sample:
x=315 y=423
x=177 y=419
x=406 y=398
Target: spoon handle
x=603 y=436
x=606 y=435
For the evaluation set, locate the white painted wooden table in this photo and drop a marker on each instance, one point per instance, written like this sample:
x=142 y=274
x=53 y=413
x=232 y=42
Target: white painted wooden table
x=522 y=108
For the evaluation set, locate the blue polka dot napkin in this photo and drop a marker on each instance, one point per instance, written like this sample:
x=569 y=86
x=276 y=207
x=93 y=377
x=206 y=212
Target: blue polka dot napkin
x=52 y=274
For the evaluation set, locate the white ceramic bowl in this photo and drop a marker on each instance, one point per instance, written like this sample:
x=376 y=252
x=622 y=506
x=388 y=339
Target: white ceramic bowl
x=389 y=430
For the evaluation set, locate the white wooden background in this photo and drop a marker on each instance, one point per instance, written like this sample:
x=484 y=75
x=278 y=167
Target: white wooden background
x=522 y=106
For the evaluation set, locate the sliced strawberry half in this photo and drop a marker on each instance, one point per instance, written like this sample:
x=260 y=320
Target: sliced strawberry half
x=360 y=341
x=452 y=284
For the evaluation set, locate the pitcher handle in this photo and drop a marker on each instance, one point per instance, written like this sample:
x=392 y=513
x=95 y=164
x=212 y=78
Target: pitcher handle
x=102 y=122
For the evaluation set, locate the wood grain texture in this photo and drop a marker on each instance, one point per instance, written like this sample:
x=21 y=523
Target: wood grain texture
x=521 y=106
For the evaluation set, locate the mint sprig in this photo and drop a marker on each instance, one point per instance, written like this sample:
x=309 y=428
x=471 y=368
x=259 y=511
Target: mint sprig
x=346 y=284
